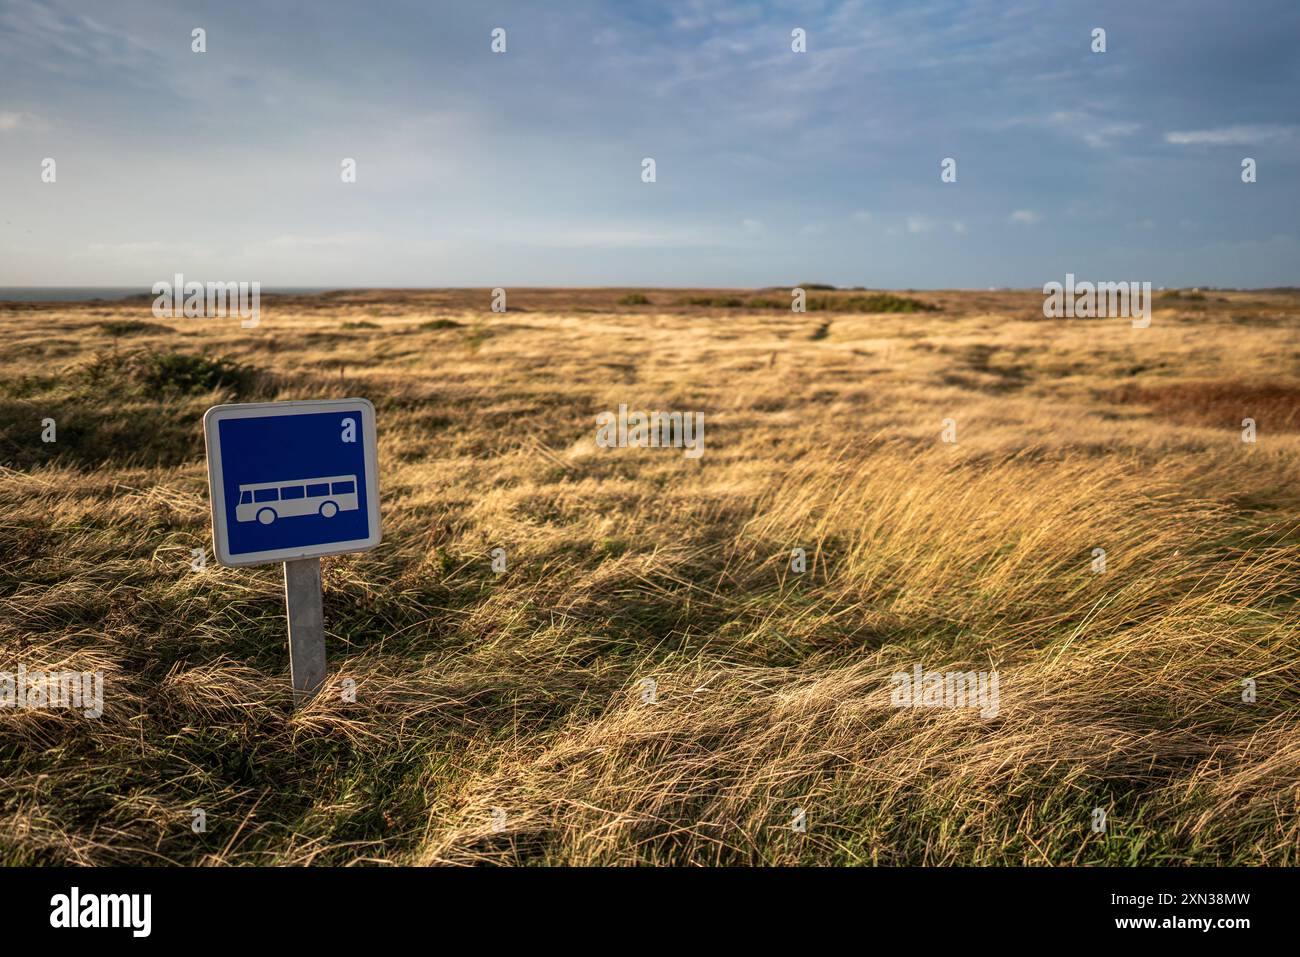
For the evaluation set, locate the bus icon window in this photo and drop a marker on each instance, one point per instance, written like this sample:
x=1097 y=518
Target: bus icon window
x=326 y=497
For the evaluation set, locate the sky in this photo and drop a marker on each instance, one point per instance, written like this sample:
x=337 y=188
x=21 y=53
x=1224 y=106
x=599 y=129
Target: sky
x=772 y=167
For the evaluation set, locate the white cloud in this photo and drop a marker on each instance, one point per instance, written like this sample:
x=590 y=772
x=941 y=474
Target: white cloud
x=959 y=227
x=324 y=240
x=339 y=248
x=1088 y=127
x=598 y=237
x=1232 y=135
x=12 y=121
x=1026 y=217
x=861 y=216
x=150 y=253
x=918 y=224
x=1102 y=135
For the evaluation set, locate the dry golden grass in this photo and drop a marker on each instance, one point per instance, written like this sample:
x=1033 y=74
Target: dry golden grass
x=500 y=718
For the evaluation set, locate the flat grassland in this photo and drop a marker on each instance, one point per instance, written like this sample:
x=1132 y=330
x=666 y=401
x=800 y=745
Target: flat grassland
x=506 y=717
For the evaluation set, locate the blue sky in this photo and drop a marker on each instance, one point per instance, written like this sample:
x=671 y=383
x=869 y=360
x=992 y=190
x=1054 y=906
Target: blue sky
x=524 y=168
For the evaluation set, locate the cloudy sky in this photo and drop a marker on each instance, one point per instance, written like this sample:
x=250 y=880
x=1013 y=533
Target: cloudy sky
x=524 y=168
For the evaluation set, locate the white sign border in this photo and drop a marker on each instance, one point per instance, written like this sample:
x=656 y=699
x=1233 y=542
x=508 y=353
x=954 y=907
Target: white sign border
x=217 y=489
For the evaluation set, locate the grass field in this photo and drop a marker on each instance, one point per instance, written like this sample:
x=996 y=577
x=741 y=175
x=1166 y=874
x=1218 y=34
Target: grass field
x=503 y=717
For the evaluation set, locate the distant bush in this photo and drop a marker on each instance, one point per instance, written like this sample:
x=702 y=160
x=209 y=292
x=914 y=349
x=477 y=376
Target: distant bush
x=360 y=324
x=635 y=299
x=131 y=327
x=440 y=324
x=714 y=302
x=1195 y=295
x=817 y=286
x=175 y=373
x=873 y=302
x=138 y=407
x=165 y=374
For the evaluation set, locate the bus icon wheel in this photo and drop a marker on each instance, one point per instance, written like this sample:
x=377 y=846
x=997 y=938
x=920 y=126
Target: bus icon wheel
x=328 y=509
x=266 y=516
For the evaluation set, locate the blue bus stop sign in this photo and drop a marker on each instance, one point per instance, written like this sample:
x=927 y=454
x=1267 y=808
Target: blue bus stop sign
x=292 y=480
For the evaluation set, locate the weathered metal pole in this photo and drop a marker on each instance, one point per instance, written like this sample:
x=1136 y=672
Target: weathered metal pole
x=302 y=599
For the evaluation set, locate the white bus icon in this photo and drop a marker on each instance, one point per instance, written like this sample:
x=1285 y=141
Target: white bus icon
x=266 y=501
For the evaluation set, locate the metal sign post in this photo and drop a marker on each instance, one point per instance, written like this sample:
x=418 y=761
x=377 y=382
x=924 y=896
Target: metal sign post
x=302 y=601
x=290 y=482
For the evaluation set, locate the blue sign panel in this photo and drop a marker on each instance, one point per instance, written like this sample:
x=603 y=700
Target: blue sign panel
x=292 y=479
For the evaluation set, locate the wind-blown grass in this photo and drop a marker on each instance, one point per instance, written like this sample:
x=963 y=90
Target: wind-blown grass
x=502 y=717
